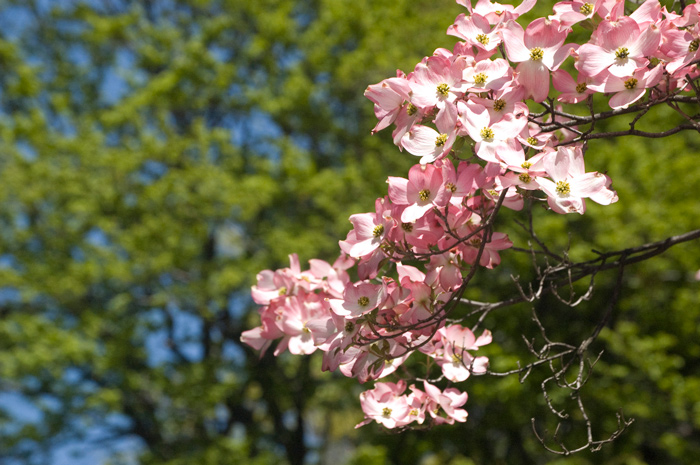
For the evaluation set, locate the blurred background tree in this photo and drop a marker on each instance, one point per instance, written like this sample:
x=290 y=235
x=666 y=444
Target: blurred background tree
x=157 y=154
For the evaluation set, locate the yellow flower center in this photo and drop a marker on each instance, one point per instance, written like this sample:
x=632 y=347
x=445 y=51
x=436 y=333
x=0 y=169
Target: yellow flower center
x=480 y=78
x=526 y=165
x=693 y=46
x=622 y=52
x=363 y=301
x=378 y=230
x=532 y=141
x=563 y=188
x=386 y=413
x=536 y=54
x=524 y=177
x=408 y=227
x=443 y=89
x=586 y=9
x=424 y=195
x=440 y=140
x=487 y=134
x=482 y=39
x=349 y=326
x=581 y=88
x=631 y=83
x=499 y=104
x=450 y=187
x=411 y=109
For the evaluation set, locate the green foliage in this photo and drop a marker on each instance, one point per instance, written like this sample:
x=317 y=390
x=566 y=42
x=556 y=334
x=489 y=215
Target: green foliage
x=157 y=154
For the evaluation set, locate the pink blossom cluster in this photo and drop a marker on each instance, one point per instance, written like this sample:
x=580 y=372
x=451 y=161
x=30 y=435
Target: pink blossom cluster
x=366 y=329
x=389 y=406
x=465 y=114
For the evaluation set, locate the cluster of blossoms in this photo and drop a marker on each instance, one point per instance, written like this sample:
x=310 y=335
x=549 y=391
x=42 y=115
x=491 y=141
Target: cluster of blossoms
x=464 y=113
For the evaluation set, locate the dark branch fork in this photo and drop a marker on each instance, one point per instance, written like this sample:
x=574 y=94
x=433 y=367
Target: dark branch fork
x=572 y=121
x=562 y=358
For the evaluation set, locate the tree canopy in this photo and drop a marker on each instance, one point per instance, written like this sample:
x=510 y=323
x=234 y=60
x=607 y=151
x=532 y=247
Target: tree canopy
x=157 y=154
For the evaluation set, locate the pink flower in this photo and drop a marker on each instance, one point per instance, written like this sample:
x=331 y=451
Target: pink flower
x=572 y=12
x=426 y=142
x=273 y=285
x=490 y=258
x=448 y=400
x=375 y=361
x=477 y=32
x=496 y=12
x=461 y=183
x=420 y=234
x=508 y=100
x=682 y=46
x=457 y=364
x=533 y=136
x=294 y=317
x=525 y=176
x=446 y=268
x=631 y=88
x=357 y=300
x=437 y=80
x=423 y=190
x=388 y=97
x=622 y=48
x=570 y=183
x=571 y=91
x=385 y=405
x=495 y=142
x=261 y=337
x=369 y=231
x=538 y=49
x=420 y=302
x=488 y=75
x=648 y=13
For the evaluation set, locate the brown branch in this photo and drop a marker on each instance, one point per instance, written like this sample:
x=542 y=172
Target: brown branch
x=552 y=274
x=633 y=132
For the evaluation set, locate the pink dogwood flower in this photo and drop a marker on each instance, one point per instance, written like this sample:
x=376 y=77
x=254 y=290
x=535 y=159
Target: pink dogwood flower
x=429 y=144
x=487 y=75
x=358 y=299
x=572 y=12
x=369 y=231
x=570 y=184
x=508 y=100
x=386 y=405
x=631 y=88
x=571 y=91
x=490 y=258
x=423 y=190
x=495 y=142
x=456 y=362
x=295 y=315
x=462 y=182
x=622 y=47
x=476 y=31
x=388 y=97
x=448 y=400
x=437 y=80
x=539 y=49
x=495 y=12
